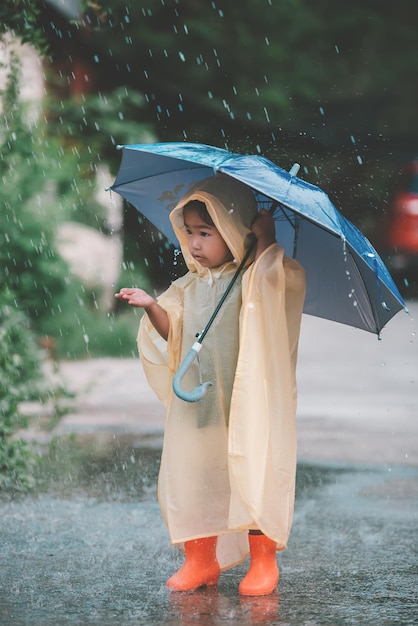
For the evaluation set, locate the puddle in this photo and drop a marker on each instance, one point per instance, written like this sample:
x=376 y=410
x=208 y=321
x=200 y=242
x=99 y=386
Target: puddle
x=90 y=547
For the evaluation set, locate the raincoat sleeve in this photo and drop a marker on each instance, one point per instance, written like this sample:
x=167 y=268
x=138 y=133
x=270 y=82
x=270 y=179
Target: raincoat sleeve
x=262 y=434
x=160 y=359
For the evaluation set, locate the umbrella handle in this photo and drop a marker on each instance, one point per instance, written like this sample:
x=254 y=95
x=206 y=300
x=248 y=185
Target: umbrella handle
x=198 y=392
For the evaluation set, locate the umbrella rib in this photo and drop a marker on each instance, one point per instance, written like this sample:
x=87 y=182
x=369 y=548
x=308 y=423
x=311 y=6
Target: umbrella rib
x=294 y=225
x=282 y=209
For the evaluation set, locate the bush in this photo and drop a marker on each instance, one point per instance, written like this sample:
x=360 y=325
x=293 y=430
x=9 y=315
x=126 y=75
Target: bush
x=29 y=263
x=46 y=181
x=32 y=275
x=22 y=18
x=20 y=380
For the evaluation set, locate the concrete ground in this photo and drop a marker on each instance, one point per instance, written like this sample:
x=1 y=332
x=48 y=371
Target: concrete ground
x=91 y=549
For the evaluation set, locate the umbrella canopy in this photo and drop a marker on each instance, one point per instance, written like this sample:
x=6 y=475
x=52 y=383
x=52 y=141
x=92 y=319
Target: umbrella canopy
x=347 y=281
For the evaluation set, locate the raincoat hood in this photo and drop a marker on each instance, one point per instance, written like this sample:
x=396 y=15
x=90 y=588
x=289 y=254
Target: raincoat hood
x=232 y=208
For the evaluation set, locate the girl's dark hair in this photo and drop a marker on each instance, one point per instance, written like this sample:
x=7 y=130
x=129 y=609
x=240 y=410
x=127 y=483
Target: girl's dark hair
x=200 y=207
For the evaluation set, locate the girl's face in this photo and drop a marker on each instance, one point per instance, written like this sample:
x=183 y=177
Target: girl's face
x=204 y=241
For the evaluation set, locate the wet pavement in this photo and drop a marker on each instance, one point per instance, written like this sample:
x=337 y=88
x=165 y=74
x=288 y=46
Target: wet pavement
x=90 y=546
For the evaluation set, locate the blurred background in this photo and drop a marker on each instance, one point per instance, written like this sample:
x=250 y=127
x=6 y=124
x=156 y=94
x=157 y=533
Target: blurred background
x=329 y=85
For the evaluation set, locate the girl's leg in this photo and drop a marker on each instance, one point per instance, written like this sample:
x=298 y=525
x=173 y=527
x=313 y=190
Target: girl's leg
x=200 y=567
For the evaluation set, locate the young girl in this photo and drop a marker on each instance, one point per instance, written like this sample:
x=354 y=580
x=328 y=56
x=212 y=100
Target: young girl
x=227 y=476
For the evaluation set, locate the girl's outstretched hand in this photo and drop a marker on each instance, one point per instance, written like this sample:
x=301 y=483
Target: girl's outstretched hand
x=135 y=297
x=140 y=298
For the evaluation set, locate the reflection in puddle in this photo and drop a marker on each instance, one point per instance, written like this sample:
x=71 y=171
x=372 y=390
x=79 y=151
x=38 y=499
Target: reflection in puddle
x=211 y=607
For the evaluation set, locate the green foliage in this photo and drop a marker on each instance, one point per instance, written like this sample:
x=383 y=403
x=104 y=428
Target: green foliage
x=21 y=18
x=326 y=84
x=48 y=177
x=263 y=64
x=20 y=380
x=37 y=294
x=29 y=274
x=29 y=264
x=100 y=121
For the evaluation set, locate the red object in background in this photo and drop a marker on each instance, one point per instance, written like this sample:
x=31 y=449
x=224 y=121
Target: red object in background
x=401 y=232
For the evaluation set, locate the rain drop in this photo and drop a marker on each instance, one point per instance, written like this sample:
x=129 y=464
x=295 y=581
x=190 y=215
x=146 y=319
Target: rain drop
x=176 y=253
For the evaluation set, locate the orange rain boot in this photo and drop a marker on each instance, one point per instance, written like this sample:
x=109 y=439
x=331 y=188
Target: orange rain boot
x=200 y=567
x=263 y=575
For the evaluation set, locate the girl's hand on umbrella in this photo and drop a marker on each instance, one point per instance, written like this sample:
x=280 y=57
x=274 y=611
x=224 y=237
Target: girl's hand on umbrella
x=264 y=230
x=135 y=297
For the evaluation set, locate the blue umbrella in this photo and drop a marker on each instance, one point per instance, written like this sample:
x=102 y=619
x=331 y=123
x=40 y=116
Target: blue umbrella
x=347 y=281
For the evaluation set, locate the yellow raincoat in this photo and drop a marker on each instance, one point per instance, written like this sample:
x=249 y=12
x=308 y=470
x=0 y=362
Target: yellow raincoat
x=229 y=462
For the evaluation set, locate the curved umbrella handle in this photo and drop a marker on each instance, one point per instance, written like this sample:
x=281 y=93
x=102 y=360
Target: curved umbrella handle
x=198 y=392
